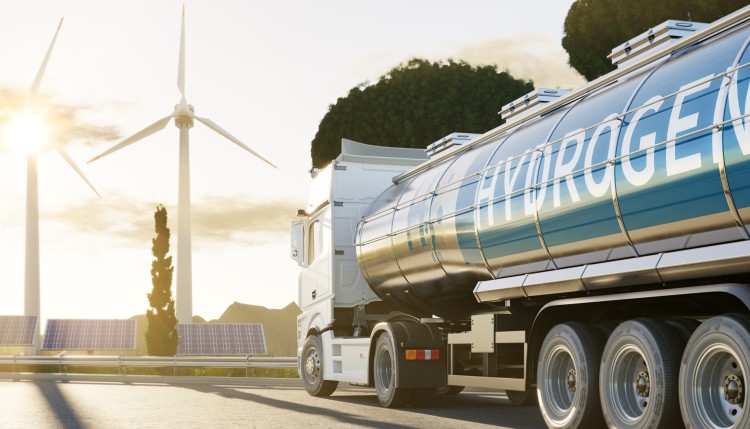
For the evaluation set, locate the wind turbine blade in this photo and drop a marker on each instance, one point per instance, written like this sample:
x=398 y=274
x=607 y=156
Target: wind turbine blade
x=181 y=66
x=210 y=124
x=156 y=126
x=75 y=167
x=40 y=73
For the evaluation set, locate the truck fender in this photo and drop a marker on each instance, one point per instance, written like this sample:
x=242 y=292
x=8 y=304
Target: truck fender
x=315 y=325
x=412 y=335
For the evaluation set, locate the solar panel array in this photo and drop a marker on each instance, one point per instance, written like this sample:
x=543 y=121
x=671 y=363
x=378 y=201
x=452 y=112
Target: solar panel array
x=216 y=339
x=17 y=330
x=91 y=334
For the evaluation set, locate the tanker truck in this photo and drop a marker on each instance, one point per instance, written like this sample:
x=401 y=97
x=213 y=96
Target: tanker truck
x=591 y=254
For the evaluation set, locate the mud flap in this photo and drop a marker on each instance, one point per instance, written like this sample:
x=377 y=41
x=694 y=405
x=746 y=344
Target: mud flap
x=420 y=374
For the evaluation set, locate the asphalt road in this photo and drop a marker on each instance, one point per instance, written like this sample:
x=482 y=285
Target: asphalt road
x=86 y=404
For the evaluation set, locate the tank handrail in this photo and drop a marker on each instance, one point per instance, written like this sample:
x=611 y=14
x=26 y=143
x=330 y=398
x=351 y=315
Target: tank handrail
x=612 y=161
x=715 y=28
x=618 y=117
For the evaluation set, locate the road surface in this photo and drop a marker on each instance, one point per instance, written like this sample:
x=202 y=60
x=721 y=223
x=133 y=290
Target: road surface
x=116 y=404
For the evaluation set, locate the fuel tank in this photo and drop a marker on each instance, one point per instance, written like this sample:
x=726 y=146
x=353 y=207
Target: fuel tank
x=652 y=158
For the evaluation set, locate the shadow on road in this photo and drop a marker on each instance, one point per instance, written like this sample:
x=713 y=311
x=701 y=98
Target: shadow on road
x=64 y=413
x=477 y=407
x=492 y=408
x=292 y=406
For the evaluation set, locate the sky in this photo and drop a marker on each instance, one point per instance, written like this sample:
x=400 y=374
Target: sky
x=266 y=71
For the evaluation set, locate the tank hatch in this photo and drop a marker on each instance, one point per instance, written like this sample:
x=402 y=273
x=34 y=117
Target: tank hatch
x=448 y=142
x=657 y=38
x=530 y=102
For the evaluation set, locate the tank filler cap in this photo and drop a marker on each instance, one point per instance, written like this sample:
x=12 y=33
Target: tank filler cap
x=530 y=102
x=659 y=37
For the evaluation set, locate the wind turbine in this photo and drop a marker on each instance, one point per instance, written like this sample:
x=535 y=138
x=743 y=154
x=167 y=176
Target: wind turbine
x=183 y=115
x=31 y=276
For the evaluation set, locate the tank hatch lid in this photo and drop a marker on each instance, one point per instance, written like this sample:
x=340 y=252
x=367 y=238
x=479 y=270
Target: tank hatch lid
x=530 y=102
x=655 y=38
x=359 y=152
x=448 y=142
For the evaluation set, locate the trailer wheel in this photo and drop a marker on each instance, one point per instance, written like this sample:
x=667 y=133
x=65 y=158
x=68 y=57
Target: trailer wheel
x=714 y=372
x=638 y=380
x=311 y=371
x=384 y=372
x=567 y=377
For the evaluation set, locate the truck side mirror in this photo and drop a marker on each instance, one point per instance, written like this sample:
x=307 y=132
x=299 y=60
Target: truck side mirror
x=298 y=241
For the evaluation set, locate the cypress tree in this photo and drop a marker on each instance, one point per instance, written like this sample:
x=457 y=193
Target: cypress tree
x=161 y=336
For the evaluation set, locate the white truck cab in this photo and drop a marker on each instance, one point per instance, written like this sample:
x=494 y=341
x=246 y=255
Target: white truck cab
x=322 y=243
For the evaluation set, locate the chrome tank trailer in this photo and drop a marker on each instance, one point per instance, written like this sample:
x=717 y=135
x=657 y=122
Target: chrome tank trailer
x=649 y=159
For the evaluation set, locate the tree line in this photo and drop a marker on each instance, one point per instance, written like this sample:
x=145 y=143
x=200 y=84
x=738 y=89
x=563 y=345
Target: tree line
x=420 y=101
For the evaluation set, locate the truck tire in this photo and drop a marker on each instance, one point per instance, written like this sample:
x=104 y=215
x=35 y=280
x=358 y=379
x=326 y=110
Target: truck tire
x=714 y=373
x=638 y=378
x=567 y=377
x=384 y=373
x=310 y=370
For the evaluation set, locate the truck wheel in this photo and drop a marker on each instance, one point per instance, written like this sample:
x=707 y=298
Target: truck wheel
x=638 y=379
x=713 y=389
x=384 y=371
x=527 y=397
x=567 y=377
x=311 y=370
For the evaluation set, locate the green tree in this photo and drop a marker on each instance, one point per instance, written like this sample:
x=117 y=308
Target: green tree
x=161 y=336
x=594 y=27
x=415 y=104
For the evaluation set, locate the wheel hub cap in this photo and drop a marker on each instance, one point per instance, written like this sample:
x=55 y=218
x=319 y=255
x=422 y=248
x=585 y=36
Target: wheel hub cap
x=733 y=389
x=572 y=380
x=312 y=365
x=643 y=384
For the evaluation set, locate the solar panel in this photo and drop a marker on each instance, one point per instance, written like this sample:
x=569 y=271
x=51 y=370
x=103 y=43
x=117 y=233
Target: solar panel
x=209 y=339
x=17 y=330
x=92 y=334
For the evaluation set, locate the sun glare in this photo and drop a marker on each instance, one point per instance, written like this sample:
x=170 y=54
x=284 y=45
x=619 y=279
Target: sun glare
x=26 y=132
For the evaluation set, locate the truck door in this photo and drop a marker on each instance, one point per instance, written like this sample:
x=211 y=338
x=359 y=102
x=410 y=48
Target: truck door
x=315 y=279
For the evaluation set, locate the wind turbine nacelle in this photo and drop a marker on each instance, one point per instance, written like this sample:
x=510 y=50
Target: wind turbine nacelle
x=183 y=115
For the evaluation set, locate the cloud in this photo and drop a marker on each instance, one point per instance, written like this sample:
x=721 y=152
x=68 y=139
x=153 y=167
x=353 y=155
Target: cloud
x=64 y=120
x=116 y=217
x=527 y=57
x=213 y=218
x=225 y=218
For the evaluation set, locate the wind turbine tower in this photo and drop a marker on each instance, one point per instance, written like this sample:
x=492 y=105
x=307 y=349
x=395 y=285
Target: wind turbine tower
x=184 y=116
x=31 y=275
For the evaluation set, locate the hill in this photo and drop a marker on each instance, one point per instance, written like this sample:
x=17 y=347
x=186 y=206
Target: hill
x=279 y=325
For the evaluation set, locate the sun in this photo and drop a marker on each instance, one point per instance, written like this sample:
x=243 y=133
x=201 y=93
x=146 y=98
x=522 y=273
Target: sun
x=26 y=132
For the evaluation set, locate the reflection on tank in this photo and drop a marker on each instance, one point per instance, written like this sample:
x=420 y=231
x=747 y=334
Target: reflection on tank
x=657 y=161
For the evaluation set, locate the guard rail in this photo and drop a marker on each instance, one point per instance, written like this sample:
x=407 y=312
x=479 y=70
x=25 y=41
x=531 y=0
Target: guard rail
x=124 y=362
